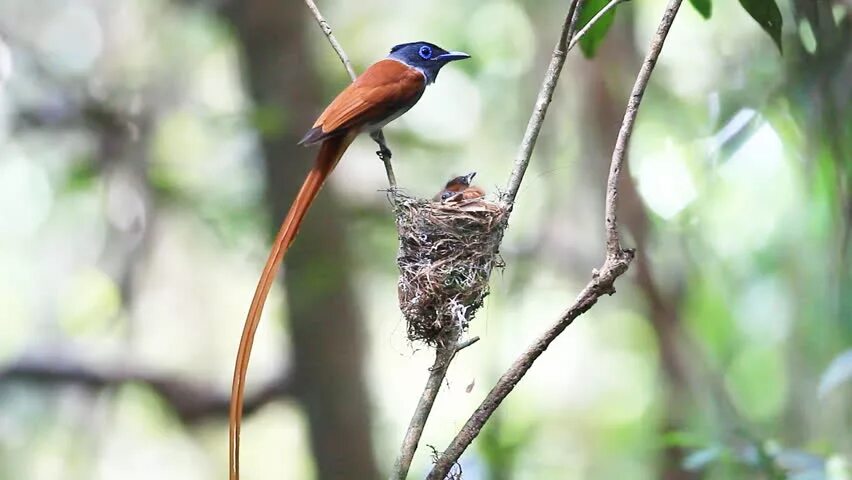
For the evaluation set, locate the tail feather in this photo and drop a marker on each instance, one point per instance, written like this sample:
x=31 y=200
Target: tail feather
x=329 y=154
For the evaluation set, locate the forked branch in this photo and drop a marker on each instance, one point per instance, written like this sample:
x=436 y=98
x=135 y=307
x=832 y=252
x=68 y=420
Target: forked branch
x=615 y=264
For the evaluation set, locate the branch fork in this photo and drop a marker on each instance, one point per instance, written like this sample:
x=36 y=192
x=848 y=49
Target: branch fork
x=616 y=262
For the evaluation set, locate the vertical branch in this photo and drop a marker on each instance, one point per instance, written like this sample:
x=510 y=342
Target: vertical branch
x=619 y=152
x=545 y=96
x=326 y=29
x=443 y=357
x=616 y=263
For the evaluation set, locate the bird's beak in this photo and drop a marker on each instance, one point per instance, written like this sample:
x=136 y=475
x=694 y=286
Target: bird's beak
x=469 y=177
x=449 y=57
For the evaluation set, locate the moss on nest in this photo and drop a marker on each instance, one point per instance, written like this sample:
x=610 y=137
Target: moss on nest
x=446 y=254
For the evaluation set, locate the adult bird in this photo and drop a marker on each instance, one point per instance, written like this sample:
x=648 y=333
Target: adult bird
x=458 y=189
x=386 y=90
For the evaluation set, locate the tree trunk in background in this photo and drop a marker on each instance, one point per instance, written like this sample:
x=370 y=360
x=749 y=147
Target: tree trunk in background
x=327 y=332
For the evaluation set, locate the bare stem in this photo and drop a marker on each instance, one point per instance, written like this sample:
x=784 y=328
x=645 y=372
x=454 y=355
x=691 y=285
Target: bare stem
x=545 y=95
x=443 y=357
x=567 y=41
x=615 y=264
x=326 y=29
x=613 y=246
x=609 y=6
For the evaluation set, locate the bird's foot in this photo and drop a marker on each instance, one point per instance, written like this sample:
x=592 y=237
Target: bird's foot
x=383 y=152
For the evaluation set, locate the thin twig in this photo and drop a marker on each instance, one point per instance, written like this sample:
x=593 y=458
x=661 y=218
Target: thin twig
x=612 y=244
x=616 y=263
x=326 y=29
x=545 y=95
x=443 y=357
x=609 y=6
x=462 y=345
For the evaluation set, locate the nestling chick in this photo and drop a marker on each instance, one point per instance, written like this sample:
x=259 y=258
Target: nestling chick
x=458 y=189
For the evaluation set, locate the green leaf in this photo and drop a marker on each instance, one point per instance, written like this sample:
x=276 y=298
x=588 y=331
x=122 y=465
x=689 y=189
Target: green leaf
x=590 y=41
x=704 y=7
x=767 y=15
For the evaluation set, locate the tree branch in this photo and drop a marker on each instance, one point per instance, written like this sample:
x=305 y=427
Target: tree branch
x=326 y=29
x=567 y=41
x=545 y=96
x=615 y=264
x=191 y=401
x=620 y=150
x=443 y=357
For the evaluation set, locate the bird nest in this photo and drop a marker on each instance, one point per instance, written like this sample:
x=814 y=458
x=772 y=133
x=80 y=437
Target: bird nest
x=446 y=254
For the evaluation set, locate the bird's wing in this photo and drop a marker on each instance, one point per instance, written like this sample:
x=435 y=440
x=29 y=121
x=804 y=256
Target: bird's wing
x=378 y=93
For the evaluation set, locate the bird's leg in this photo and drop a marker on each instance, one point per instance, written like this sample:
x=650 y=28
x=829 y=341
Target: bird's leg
x=384 y=152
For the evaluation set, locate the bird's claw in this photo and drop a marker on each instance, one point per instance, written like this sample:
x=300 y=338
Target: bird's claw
x=383 y=152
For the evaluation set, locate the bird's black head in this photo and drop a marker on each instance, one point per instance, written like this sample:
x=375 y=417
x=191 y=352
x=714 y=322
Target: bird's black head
x=426 y=57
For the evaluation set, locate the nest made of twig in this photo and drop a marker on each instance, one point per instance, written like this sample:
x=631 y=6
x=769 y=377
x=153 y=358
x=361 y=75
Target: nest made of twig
x=446 y=254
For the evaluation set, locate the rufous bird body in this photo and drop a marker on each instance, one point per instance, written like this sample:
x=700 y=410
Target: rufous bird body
x=386 y=90
x=458 y=189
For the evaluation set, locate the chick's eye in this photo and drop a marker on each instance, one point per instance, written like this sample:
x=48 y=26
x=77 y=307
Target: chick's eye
x=425 y=52
x=446 y=195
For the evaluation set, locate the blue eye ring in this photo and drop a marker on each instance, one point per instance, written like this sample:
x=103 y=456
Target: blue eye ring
x=425 y=52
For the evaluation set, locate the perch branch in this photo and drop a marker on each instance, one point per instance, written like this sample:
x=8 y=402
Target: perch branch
x=443 y=357
x=615 y=264
x=326 y=29
x=545 y=95
x=193 y=402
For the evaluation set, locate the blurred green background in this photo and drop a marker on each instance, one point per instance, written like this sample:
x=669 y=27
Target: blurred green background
x=147 y=153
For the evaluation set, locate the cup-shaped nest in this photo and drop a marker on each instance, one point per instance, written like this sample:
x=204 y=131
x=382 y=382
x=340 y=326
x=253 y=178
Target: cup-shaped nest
x=446 y=254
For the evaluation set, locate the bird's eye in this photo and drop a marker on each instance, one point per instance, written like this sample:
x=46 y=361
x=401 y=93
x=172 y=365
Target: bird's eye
x=446 y=195
x=425 y=52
